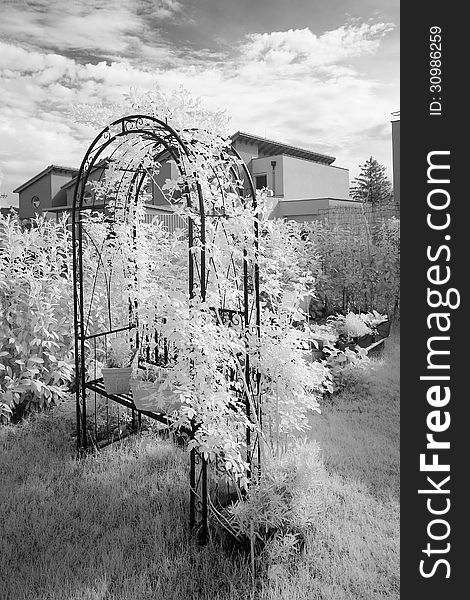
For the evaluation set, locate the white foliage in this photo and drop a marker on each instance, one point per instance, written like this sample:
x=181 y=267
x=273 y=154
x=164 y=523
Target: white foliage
x=154 y=275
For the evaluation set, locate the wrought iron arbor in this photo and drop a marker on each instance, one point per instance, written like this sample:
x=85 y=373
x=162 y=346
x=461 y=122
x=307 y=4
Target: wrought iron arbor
x=132 y=149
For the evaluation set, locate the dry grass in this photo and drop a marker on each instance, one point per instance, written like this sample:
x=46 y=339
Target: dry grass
x=354 y=552
x=359 y=431
x=114 y=526
x=110 y=526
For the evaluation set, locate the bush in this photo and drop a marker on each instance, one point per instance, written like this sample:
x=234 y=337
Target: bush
x=347 y=366
x=36 y=303
x=282 y=506
x=360 y=270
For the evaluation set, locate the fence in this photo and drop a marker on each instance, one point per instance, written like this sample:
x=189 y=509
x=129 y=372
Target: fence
x=355 y=218
x=170 y=220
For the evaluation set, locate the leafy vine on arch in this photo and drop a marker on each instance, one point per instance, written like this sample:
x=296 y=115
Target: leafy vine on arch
x=214 y=290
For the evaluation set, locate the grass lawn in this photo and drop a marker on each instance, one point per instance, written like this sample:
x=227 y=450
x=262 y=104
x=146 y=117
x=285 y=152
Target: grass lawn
x=113 y=526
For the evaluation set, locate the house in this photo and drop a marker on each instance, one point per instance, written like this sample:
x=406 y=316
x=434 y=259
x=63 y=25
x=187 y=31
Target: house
x=43 y=191
x=8 y=211
x=396 y=156
x=304 y=183
x=51 y=191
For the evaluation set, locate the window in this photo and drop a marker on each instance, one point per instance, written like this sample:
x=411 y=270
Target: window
x=87 y=197
x=261 y=181
x=148 y=191
x=35 y=201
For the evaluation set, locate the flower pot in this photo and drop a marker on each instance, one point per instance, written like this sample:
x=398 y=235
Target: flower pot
x=117 y=379
x=345 y=345
x=378 y=349
x=383 y=329
x=364 y=341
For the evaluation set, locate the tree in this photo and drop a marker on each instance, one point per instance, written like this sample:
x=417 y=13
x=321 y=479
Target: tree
x=372 y=185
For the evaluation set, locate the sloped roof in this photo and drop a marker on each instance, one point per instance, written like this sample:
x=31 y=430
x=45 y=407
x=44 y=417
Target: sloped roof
x=265 y=146
x=49 y=169
x=272 y=148
x=99 y=165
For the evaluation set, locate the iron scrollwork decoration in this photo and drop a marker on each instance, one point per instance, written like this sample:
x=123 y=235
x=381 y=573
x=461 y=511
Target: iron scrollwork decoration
x=124 y=146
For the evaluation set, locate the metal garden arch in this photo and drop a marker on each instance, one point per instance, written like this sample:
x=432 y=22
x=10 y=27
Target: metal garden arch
x=126 y=147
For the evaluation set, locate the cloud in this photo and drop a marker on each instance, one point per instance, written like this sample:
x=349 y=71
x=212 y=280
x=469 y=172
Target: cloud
x=166 y=9
x=294 y=86
x=298 y=51
x=109 y=28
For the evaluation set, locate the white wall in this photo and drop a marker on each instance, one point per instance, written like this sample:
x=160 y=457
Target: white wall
x=40 y=188
x=58 y=179
x=307 y=179
x=247 y=150
x=260 y=166
x=58 y=196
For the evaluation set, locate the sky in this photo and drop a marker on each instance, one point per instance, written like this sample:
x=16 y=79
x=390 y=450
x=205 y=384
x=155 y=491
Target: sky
x=319 y=74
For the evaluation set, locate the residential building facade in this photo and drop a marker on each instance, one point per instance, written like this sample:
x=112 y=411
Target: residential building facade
x=44 y=191
x=303 y=183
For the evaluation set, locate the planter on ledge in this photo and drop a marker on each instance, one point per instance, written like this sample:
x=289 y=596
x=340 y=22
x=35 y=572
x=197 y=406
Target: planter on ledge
x=383 y=329
x=148 y=396
x=364 y=341
x=117 y=379
x=343 y=345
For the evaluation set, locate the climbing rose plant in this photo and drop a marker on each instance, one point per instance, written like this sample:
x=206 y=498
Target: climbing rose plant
x=154 y=275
